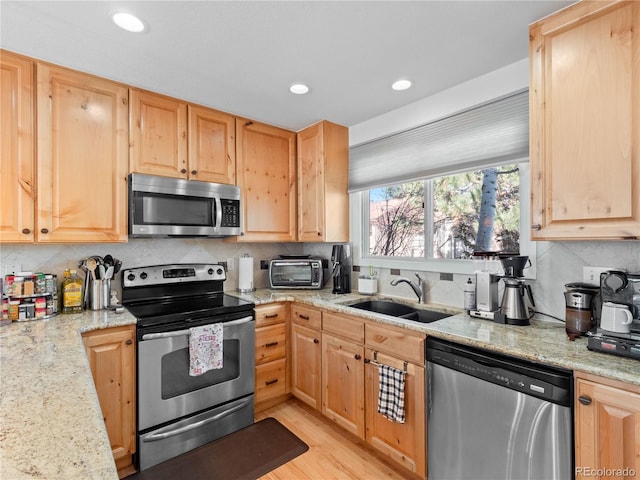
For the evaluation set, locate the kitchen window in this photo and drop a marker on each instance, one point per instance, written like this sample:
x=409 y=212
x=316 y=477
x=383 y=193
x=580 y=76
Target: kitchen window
x=428 y=198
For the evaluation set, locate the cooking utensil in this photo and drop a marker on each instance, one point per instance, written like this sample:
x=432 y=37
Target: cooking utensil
x=108 y=260
x=91 y=265
x=108 y=275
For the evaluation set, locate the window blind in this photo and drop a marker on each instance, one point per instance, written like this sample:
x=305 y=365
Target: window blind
x=494 y=133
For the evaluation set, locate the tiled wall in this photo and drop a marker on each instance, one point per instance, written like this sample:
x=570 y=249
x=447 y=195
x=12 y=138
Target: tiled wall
x=558 y=263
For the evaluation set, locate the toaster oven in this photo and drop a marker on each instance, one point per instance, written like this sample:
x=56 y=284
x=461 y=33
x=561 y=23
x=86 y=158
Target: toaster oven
x=296 y=273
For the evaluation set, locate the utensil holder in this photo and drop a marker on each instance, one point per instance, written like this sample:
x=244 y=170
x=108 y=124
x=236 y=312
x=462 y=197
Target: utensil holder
x=368 y=286
x=99 y=294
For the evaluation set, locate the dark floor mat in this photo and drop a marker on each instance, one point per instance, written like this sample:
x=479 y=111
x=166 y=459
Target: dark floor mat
x=243 y=455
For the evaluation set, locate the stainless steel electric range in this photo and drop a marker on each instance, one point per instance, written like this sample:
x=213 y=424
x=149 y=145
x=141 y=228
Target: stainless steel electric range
x=178 y=412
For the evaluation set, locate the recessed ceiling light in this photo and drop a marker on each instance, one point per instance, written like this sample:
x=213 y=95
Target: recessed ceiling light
x=128 y=22
x=299 y=88
x=401 y=85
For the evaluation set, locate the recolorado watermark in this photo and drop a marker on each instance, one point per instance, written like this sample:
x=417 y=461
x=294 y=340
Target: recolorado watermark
x=585 y=472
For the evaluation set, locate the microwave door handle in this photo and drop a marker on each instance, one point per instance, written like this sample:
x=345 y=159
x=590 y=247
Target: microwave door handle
x=218 y=211
x=161 y=436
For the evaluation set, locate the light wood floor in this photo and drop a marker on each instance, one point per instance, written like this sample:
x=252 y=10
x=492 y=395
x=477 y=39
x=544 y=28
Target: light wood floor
x=332 y=455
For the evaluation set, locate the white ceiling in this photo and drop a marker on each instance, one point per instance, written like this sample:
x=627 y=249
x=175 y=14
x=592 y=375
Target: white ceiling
x=241 y=56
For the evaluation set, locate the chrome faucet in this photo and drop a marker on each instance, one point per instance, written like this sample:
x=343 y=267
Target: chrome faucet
x=420 y=289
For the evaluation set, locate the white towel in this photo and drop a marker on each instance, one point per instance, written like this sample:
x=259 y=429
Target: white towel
x=205 y=348
x=391 y=393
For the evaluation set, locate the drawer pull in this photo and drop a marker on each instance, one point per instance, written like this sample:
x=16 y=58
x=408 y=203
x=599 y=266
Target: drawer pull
x=271 y=344
x=44 y=230
x=26 y=231
x=584 y=399
x=128 y=342
x=303 y=317
x=271 y=382
x=273 y=315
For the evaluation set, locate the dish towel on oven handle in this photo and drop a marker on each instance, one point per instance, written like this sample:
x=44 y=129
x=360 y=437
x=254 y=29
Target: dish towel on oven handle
x=205 y=348
x=391 y=393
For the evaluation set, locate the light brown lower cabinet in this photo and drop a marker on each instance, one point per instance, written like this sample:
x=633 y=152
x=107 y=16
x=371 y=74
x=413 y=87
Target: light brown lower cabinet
x=348 y=392
x=112 y=357
x=607 y=430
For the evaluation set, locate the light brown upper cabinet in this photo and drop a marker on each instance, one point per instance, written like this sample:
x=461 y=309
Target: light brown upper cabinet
x=172 y=138
x=323 y=172
x=266 y=175
x=585 y=122
x=17 y=160
x=82 y=157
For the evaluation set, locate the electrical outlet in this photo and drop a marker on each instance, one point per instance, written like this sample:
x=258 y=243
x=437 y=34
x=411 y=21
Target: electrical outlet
x=592 y=274
x=230 y=264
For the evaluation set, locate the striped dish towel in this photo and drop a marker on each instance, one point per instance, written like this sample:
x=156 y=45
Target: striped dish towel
x=391 y=393
x=205 y=349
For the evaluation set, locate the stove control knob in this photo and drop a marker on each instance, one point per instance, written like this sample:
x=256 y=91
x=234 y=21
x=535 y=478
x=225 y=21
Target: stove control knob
x=219 y=271
x=210 y=271
x=143 y=275
x=131 y=277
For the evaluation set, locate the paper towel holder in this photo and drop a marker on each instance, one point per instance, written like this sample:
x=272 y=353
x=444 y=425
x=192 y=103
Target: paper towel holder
x=245 y=274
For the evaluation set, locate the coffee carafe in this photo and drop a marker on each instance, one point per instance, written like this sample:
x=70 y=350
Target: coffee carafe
x=517 y=301
x=582 y=308
x=341 y=268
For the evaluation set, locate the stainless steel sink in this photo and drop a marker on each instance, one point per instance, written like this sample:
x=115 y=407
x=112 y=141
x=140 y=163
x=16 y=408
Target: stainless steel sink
x=400 y=310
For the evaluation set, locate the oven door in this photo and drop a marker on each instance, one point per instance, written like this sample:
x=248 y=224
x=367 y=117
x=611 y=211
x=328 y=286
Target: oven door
x=167 y=392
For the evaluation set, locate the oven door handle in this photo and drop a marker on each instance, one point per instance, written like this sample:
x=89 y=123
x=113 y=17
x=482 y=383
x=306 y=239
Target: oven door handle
x=178 y=333
x=161 y=436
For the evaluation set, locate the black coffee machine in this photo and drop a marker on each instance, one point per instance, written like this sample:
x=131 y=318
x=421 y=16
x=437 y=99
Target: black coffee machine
x=341 y=268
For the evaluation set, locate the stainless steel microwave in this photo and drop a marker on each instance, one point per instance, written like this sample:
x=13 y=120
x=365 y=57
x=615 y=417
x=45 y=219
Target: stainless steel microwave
x=174 y=207
x=296 y=273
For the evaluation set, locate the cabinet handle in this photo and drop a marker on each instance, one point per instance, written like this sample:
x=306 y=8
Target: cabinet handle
x=271 y=344
x=303 y=317
x=128 y=342
x=26 y=231
x=184 y=170
x=273 y=315
x=194 y=172
x=584 y=399
x=315 y=340
x=366 y=360
x=357 y=356
x=536 y=226
x=271 y=382
x=319 y=234
x=44 y=230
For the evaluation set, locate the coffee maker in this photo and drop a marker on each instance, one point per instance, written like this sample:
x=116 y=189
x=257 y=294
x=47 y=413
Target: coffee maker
x=341 y=268
x=517 y=300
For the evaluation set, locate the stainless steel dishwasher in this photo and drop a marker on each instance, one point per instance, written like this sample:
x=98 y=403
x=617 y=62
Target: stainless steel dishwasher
x=495 y=417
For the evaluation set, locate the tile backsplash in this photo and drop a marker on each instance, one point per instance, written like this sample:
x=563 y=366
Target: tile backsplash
x=558 y=263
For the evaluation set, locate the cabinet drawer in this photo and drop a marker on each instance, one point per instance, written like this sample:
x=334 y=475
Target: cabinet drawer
x=271 y=380
x=398 y=342
x=306 y=316
x=270 y=314
x=346 y=327
x=271 y=343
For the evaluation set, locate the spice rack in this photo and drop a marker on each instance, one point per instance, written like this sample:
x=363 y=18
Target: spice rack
x=29 y=296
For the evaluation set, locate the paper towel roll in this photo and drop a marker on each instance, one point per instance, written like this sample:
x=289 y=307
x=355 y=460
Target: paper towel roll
x=245 y=274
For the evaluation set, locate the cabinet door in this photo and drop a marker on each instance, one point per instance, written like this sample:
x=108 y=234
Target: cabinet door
x=111 y=354
x=404 y=443
x=17 y=195
x=323 y=172
x=82 y=157
x=607 y=430
x=266 y=175
x=585 y=122
x=158 y=135
x=343 y=383
x=212 y=145
x=306 y=355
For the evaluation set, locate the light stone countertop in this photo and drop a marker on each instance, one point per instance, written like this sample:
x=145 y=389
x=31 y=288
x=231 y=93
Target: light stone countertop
x=51 y=426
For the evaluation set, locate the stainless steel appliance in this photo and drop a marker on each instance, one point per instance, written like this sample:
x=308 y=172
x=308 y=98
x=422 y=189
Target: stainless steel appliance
x=296 y=272
x=174 y=207
x=582 y=308
x=176 y=411
x=517 y=300
x=511 y=419
x=341 y=268
x=622 y=289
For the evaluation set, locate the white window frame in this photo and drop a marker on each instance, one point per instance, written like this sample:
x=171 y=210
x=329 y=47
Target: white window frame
x=359 y=205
